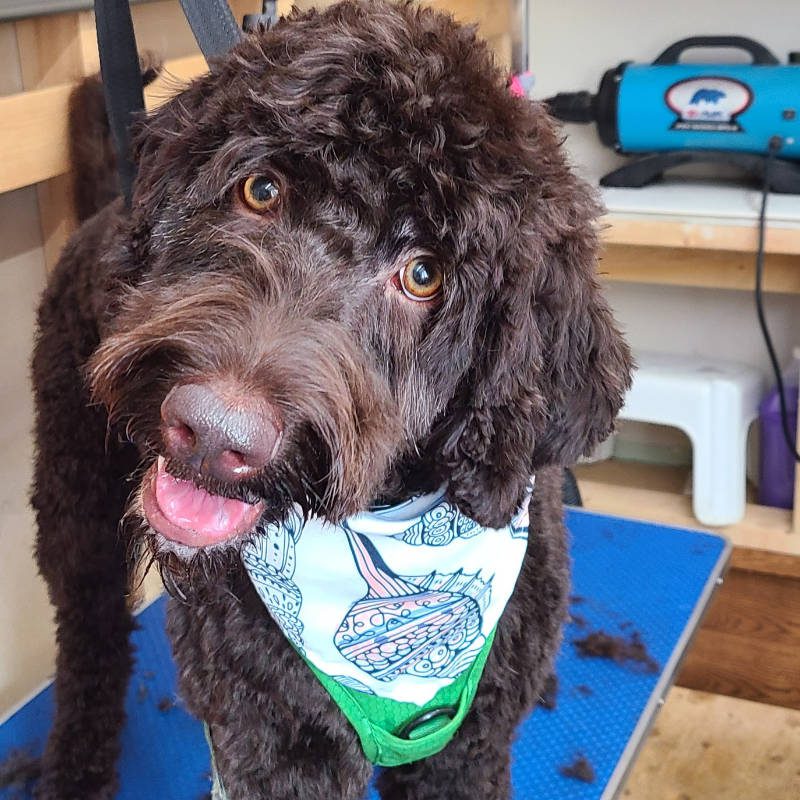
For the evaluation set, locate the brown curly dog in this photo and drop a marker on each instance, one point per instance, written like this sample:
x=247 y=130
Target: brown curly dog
x=356 y=269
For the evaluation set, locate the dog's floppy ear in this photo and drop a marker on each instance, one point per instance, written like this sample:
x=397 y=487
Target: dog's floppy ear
x=549 y=368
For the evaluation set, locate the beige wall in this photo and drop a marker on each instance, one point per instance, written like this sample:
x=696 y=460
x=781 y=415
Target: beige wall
x=25 y=635
x=25 y=631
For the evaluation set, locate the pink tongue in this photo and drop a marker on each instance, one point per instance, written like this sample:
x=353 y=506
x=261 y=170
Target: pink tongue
x=188 y=506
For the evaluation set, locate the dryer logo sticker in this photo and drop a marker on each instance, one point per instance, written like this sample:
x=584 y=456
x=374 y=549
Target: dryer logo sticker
x=708 y=104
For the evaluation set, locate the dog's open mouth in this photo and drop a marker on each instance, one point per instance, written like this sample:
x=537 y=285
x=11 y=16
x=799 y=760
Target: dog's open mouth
x=189 y=515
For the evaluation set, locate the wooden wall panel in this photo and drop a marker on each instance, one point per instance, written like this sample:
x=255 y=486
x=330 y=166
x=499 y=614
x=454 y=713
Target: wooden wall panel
x=749 y=644
x=10 y=78
x=693 y=235
x=494 y=17
x=54 y=51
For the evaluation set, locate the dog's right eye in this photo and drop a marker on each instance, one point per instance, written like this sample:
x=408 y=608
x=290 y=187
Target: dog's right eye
x=420 y=279
x=260 y=193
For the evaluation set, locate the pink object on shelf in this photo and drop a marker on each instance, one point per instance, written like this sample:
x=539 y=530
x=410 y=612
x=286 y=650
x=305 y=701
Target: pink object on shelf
x=521 y=84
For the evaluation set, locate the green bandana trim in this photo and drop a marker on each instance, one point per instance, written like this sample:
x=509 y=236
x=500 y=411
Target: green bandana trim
x=378 y=720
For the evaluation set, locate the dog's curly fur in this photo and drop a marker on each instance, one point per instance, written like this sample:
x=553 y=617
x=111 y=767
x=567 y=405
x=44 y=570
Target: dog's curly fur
x=390 y=132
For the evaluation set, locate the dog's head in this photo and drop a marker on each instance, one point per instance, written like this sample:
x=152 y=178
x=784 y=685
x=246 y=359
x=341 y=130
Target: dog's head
x=355 y=265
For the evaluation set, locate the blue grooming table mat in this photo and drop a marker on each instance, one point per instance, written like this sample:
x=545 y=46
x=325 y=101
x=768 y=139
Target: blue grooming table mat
x=630 y=579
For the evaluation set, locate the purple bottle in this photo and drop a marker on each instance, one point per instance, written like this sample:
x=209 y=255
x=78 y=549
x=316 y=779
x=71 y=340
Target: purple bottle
x=777 y=464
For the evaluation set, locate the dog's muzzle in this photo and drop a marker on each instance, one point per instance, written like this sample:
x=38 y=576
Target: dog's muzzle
x=189 y=515
x=219 y=431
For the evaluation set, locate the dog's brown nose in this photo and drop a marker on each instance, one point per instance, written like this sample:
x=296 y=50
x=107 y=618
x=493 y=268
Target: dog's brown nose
x=218 y=431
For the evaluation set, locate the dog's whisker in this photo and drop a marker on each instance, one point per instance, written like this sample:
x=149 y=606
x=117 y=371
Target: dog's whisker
x=320 y=502
x=168 y=579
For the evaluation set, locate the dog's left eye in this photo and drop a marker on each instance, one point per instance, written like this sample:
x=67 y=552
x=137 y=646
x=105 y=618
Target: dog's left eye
x=420 y=279
x=260 y=193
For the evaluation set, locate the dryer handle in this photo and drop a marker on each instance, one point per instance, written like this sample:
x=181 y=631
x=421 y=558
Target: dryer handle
x=761 y=55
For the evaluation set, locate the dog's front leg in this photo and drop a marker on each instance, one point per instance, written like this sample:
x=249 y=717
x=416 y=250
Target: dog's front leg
x=79 y=496
x=285 y=766
x=275 y=733
x=475 y=765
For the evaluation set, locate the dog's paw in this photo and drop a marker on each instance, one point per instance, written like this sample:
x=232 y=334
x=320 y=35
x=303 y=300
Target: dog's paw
x=50 y=787
x=43 y=792
x=19 y=771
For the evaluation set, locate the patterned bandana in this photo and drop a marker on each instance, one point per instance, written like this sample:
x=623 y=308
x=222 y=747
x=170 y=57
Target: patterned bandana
x=397 y=602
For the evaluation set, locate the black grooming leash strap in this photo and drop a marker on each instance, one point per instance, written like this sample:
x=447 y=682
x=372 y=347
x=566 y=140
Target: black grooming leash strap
x=216 y=31
x=122 y=81
x=213 y=25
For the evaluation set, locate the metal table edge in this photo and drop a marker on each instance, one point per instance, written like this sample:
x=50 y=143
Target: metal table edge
x=670 y=671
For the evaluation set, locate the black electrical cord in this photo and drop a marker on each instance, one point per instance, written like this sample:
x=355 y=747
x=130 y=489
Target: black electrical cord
x=775 y=144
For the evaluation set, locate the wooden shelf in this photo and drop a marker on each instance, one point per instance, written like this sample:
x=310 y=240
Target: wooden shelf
x=763 y=540
x=708 y=269
x=698 y=235
x=702 y=216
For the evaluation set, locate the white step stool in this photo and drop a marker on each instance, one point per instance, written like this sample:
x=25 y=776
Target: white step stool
x=714 y=403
